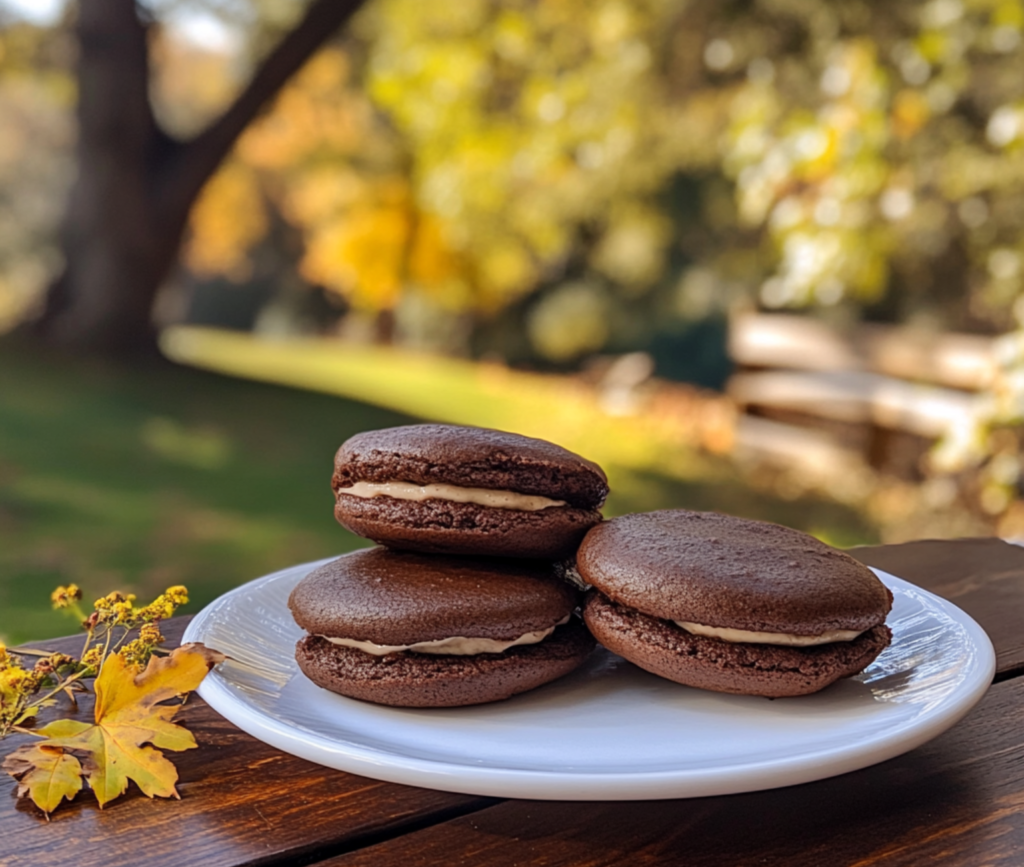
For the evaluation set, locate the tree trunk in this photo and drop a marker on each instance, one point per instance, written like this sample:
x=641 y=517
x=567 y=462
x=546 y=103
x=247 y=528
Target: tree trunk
x=135 y=185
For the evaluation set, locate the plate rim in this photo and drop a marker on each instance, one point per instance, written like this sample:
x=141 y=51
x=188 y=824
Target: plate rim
x=496 y=781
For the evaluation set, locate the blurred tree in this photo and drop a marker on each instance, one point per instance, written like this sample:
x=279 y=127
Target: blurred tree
x=508 y=146
x=659 y=159
x=135 y=182
x=35 y=139
x=530 y=123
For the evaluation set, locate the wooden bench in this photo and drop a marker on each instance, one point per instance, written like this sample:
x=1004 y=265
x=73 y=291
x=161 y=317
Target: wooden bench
x=875 y=398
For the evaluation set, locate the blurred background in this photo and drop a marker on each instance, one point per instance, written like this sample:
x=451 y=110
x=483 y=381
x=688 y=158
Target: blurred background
x=762 y=257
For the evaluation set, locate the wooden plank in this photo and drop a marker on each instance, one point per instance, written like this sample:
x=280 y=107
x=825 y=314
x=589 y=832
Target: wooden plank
x=958 y=801
x=959 y=360
x=984 y=577
x=815 y=453
x=965 y=361
x=856 y=397
x=789 y=341
x=242 y=802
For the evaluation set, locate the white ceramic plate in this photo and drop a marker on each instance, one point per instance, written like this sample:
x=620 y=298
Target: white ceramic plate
x=609 y=731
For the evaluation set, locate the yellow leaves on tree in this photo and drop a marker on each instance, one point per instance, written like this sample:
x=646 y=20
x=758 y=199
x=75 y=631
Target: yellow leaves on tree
x=811 y=176
x=525 y=125
x=311 y=117
x=506 y=131
x=375 y=246
x=227 y=221
x=123 y=743
x=435 y=267
x=319 y=115
x=365 y=238
x=361 y=254
x=632 y=250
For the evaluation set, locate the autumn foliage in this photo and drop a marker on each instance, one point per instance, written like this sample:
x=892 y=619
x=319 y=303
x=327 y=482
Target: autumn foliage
x=123 y=742
x=132 y=721
x=481 y=155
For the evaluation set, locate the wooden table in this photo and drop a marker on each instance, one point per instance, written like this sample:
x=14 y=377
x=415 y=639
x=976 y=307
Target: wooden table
x=958 y=800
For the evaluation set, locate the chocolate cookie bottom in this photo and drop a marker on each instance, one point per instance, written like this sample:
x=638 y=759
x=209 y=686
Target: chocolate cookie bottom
x=665 y=649
x=427 y=680
x=446 y=527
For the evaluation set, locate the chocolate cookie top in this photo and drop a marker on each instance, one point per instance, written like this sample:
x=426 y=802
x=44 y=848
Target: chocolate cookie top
x=472 y=458
x=393 y=598
x=722 y=571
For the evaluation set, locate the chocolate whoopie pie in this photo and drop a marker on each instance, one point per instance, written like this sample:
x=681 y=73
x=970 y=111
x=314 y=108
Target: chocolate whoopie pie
x=731 y=605
x=409 y=630
x=459 y=490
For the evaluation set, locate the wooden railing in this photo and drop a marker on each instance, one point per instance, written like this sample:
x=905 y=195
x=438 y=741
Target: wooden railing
x=823 y=401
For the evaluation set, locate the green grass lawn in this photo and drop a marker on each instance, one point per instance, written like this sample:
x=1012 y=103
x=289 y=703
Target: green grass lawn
x=140 y=478
x=648 y=464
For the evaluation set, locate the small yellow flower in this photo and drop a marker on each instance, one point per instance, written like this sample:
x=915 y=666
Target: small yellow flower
x=177 y=595
x=116 y=609
x=18 y=680
x=136 y=653
x=64 y=597
x=150 y=634
x=93 y=657
x=54 y=662
x=124 y=612
x=104 y=607
x=159 y=609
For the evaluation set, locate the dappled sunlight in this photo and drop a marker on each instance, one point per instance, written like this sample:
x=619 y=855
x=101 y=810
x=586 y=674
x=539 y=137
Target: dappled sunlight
x=561 y=409
x=202 y=447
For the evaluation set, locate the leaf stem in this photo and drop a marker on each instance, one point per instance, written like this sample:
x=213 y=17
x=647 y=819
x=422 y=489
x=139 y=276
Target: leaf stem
x=21 y=730
x=88 y=641
x=64 y=684
x=120 y=641
x=106 y=650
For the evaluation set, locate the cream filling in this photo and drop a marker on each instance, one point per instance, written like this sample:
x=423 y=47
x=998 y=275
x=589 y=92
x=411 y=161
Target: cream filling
x=459 y=645
x=742 y=636
x=479 y=496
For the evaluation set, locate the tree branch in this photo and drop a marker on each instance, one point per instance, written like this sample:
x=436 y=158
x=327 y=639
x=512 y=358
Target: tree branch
x=195 y=161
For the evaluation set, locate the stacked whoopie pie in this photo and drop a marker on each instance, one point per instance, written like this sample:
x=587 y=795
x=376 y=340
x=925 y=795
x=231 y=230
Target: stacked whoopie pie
x=466 y=603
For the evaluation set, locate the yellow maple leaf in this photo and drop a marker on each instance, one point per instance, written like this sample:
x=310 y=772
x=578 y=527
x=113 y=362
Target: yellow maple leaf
x=124 y=742
x=46 y=773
